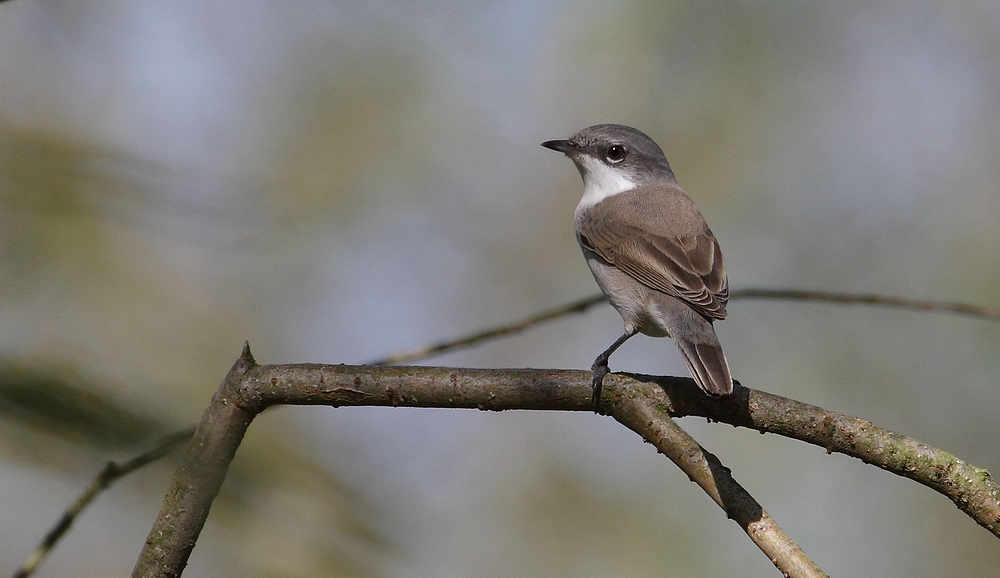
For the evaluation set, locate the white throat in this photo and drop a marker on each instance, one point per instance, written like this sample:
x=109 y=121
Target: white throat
x=600 y=182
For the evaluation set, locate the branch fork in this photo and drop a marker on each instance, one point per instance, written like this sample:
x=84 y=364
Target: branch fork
x=644 y=404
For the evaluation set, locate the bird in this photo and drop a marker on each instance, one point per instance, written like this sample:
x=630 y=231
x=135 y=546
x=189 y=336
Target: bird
x=650 y=250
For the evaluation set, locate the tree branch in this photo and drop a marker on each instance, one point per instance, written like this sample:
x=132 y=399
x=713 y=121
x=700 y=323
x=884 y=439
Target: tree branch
x=646 y=417
x=582 y=305
x=199 y=477
x=249 y=389
x=972 y=489
x=471 y=339
x=940 y=459
x=642 y=403
x=111 y=472
x=870 y=299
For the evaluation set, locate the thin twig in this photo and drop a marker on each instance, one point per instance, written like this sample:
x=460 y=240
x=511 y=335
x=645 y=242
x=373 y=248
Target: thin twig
x=582 y=305
x=111 y=472
x=870 y=299
x=498 y=331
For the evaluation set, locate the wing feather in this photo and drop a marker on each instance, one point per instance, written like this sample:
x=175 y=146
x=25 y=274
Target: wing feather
x=669 y=248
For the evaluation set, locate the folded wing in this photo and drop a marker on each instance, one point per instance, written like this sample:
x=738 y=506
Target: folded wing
x=669 y=248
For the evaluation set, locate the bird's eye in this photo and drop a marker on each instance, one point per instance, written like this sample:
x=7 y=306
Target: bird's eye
x=616 y=153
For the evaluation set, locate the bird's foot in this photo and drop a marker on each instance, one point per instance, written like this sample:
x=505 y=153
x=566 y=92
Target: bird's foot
x=600 y=369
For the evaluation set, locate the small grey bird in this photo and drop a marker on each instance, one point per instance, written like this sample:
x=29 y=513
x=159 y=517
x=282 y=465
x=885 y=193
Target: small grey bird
x=650 y=249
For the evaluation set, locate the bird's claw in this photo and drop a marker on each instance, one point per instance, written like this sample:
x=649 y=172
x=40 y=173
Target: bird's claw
x=600 y=370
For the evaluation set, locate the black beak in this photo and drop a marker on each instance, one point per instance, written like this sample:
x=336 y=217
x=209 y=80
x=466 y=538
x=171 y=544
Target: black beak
x=563 y=146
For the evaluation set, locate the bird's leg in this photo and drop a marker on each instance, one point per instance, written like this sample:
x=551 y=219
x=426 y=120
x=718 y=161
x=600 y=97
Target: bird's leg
x=600 y=367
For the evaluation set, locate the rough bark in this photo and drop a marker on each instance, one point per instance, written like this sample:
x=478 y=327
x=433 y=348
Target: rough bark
x=642 y=403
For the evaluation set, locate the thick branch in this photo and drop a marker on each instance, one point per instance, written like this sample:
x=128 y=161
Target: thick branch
x=972 y=489
x=198 y=478
x=640 y=402
x=249 y=389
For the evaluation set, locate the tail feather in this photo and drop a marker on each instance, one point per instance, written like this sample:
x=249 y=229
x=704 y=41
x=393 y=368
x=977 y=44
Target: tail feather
x=708 y=366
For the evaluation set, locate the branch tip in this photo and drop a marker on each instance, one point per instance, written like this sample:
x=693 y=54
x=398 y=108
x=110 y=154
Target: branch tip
x=245 y=361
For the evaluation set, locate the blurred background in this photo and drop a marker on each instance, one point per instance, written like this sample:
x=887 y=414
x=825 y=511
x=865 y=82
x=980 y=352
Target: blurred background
x=338 y=181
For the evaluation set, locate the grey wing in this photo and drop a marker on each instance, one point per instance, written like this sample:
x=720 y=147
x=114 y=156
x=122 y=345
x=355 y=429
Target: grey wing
x=689 y=266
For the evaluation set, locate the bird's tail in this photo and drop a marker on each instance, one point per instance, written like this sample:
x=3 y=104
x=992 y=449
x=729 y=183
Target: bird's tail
x=708 y=366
